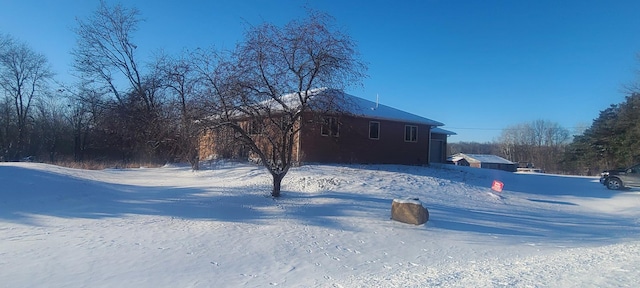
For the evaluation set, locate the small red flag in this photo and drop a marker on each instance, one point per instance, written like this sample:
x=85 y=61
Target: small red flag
x=497 y=186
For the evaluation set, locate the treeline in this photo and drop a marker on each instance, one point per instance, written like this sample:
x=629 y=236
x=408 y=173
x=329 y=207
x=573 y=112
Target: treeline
x=106 y=117
x=539 y=143
x=122 y=108
x=26 y=103
x=612 y=140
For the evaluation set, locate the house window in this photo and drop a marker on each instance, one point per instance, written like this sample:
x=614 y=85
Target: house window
x=284 y=122
x=410 y=133
x=255 y=127
x=374 y=130
x=330 y=127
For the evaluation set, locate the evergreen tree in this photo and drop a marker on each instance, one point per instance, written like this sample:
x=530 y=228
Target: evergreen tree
x=612 y=141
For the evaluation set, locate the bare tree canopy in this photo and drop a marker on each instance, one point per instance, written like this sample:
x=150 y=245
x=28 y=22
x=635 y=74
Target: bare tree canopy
x=182 y=84
x=106 y=59
x=540 y=142
x=302 y=55
x=105 y=46
x=24 y=76
x=275 y=61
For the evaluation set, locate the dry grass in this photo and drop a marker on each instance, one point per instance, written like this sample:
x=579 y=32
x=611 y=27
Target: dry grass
x=101 y=165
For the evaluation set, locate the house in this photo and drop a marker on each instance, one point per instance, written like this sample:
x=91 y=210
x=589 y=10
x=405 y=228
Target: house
x=368 y=132
x=483 y=161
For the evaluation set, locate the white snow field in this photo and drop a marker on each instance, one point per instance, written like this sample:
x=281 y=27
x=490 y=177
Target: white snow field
x=171 y=227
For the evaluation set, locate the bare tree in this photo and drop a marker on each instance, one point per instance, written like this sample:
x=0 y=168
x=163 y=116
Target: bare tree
x=180 y=79
x=52 y=132
x=539 y=142
x=273 y=62
x=5 y=108
x=6 y=128
x=5 y=42
x=85 y=107
x=105 y=50
x=214 y=73
x=105 y=55
x=24 y=77
x=473 y=148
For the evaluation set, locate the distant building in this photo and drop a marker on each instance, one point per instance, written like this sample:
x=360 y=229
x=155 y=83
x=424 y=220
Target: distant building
x=486 y=161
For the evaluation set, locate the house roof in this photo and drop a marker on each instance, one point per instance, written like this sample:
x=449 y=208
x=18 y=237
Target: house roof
x=455 y=158
x=365 y=108
x=374 y=110
x=483 y=158
x=438 y=130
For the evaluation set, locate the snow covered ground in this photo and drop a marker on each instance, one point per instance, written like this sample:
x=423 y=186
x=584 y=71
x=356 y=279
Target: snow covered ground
x=171 y=227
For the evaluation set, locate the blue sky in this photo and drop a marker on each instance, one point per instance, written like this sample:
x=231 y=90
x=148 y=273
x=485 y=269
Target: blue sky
x=477 y=66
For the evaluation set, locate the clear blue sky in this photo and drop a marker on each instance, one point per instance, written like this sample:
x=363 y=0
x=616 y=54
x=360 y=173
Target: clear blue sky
x=477 y=66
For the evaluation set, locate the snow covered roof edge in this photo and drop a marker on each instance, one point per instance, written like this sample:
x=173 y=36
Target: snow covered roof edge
x=439 y=130
x=365 y=108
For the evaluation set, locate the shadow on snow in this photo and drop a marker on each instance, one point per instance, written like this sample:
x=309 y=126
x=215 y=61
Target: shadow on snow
x=26 y=193
x=29 y=192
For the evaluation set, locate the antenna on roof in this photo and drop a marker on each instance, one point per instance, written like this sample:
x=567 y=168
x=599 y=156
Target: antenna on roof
x=377 y=100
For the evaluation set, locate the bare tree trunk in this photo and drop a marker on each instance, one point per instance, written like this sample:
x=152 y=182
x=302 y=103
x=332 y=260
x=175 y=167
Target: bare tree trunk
x=194 y=160
x=277 y=183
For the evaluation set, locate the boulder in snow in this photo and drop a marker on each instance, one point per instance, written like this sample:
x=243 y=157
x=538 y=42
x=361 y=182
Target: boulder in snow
x=409 y=211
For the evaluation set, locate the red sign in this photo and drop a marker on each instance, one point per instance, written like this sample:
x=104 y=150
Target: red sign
x=497 y=186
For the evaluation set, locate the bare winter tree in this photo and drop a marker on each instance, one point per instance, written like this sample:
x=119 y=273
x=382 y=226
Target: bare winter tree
x=473 y=148
x=105 y=55
x=5 y=42
x=85 y=107
x=52 y=132
x=273 y=62
x=24 y=77
x=540 y=142
x=180 y=79
x=105 y=51
x=6 y=128
x=5 y=108
x=214 y=73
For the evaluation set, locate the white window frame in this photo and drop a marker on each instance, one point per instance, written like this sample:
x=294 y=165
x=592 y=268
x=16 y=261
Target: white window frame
x=412 y=136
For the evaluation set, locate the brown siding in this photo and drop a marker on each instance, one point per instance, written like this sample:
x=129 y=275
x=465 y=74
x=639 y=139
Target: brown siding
x=351 y=146
x=206 y=150
x=214 y=144
x=354 y=146
x=219 y=143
